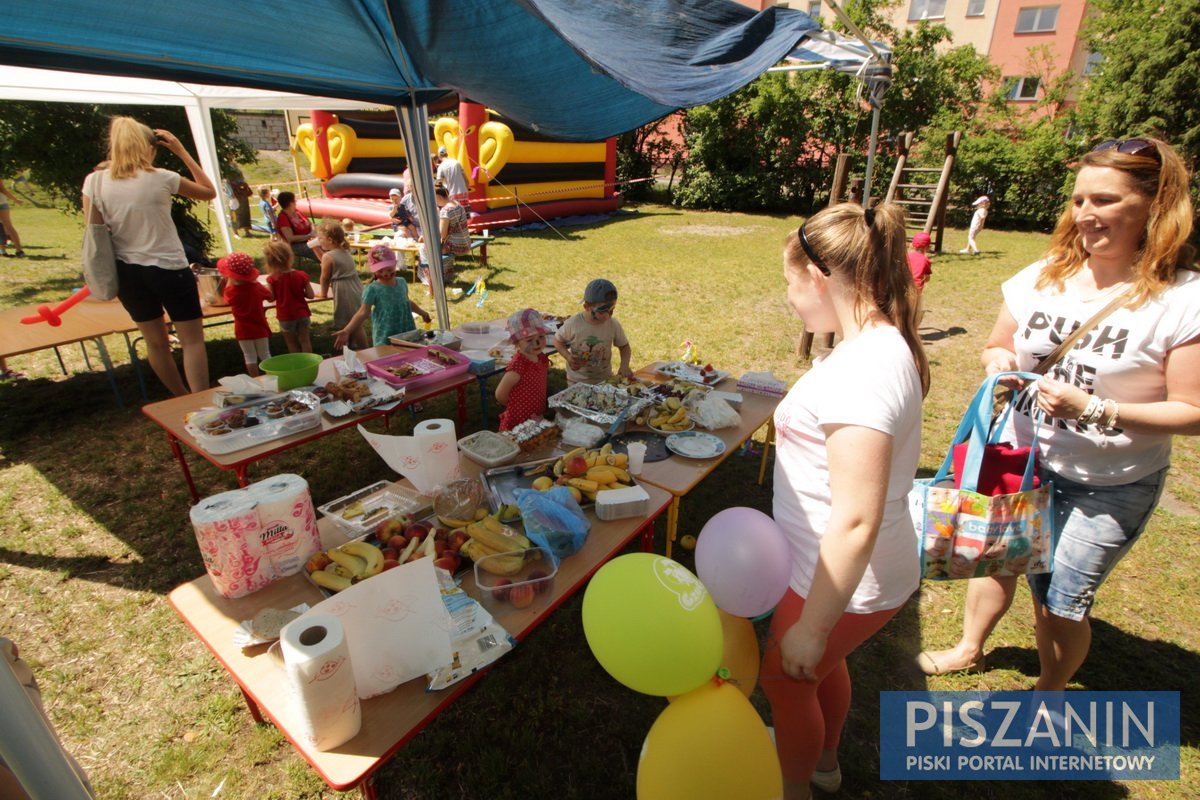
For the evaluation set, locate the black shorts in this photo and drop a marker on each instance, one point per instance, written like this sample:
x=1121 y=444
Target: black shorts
x=147 y=291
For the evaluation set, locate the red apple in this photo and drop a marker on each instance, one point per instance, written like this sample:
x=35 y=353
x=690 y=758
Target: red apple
x=448 y=562
x=389 y=528
x=521 y=596
x=498 y=589
x=390 y=552
x=416 y=530
x=317 y=562
x=538 y=578
x=576 y=467
x=390 y=563
x=457 y=538
x=398 y=542
x=439 y=533
x=439 y=547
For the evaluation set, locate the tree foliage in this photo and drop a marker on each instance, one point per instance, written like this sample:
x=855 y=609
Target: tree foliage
x=58 y=144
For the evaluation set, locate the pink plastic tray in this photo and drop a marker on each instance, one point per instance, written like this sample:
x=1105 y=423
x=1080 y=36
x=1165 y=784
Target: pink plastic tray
x=431 y=368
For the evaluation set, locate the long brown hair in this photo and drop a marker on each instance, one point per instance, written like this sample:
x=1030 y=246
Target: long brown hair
x=1164 y=248
x=872 y=258
x=130 y=147
x=334 y=232
x=278 y=255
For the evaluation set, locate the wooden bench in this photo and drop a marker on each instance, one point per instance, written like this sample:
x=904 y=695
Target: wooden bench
x=480 y=243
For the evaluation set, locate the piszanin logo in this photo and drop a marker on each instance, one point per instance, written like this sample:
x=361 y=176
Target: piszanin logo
x=1125 y=736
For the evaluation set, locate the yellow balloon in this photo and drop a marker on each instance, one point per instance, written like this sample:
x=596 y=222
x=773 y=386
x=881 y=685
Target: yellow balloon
x=710 y=744
x=740 y=657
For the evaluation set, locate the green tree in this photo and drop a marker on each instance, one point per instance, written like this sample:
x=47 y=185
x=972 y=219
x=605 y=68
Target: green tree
x=58 y=144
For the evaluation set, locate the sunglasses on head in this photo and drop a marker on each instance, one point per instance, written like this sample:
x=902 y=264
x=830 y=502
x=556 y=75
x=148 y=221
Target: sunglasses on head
x=1130 y=147
x=811 y=253
x=604 y=309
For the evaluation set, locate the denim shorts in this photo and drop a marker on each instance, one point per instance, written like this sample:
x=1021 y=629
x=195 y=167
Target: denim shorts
x=1094 y=527
x=294 y=325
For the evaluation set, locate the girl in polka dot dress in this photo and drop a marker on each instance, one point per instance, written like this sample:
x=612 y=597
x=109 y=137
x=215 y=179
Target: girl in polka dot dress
x=523 y=387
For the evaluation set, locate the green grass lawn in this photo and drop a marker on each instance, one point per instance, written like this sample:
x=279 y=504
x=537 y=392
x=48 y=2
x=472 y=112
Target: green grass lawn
x=94 y=534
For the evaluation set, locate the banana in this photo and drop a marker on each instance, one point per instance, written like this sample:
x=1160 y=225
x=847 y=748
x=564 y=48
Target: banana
x=583 y=484
x=578 y=451
x=673 y=403
x=330 y=581
x=601 y=475
x=334 y=568
x=591 y=458
x=606 y=450
x=368 y=553
x=558 y=468
x=480 y=513
x=493 y=524
x=451 y=522
x=353 y=563
x=509 y=564
x=679 y=416
x=498 y=539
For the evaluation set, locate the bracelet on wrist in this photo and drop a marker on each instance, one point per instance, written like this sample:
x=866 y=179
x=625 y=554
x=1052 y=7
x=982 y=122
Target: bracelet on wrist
x=1092 y=411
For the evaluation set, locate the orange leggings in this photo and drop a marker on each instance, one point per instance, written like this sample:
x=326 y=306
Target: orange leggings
x=809 y=716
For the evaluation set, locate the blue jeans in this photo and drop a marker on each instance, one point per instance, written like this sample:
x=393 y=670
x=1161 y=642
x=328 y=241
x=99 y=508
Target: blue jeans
x=1094 y=527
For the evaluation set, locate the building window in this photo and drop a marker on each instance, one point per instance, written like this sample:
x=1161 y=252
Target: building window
x=975 y=7
x=1023 y=88
x=926 y=9
x=1093 y=61
x=1040 y=19
x=814 y=9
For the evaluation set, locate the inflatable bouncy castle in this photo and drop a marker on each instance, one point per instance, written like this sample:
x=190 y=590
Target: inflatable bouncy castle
x=514 y=174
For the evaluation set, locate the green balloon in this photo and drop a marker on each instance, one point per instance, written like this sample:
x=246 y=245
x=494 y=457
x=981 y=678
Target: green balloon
x=652 y=625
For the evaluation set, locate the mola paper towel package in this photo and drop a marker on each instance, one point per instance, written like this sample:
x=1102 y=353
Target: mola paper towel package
x=320 y=678
x=228 y=532
x=428 y=458
x=289 y=522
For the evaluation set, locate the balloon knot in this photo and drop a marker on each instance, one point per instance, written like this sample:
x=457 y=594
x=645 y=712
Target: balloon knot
x=723 y=676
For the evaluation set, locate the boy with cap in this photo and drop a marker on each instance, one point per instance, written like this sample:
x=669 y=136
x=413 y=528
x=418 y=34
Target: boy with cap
x=981 y=206
x=586 y=340
x=245 y=296
x=523 y=387
x=401 y=217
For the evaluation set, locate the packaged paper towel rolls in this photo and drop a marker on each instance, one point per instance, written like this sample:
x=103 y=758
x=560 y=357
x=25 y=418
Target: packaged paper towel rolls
x=228 y=532
x=321 y=680
x=288 y=521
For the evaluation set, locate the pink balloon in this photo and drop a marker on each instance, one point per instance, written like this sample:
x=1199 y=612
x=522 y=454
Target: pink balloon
x=743 y=559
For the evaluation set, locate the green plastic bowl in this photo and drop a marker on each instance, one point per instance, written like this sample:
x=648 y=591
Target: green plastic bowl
x=293 y=369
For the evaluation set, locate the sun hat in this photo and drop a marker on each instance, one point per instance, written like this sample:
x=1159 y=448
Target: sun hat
x=600 y=290
x=394 y=192
x=526 y=323
x=921 y=240
x=381 y=257
x=239 y=266
x=983 y=198
x=441 y=152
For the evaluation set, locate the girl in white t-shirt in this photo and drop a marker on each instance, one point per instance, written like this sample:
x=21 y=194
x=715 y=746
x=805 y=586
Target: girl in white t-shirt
x=848 y=439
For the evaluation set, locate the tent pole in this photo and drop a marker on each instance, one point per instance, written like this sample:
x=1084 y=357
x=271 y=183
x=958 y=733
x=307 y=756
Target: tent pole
x=874 y=142
x=200 y=120
x=414 y=130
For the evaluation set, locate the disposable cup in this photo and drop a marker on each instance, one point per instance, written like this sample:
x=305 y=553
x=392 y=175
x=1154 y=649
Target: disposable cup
x=637 y=455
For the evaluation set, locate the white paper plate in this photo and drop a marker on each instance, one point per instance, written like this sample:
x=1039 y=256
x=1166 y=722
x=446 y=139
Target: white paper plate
x=694 y=444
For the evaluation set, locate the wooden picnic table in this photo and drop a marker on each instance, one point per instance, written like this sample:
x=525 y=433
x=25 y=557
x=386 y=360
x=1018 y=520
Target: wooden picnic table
x=390 y=720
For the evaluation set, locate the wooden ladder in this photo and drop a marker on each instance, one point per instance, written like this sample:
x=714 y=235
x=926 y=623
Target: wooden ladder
x=923 y=191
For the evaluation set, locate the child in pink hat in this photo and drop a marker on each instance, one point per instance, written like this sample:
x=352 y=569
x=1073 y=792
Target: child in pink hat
x=245 y=296
x=385 y=301
x=523 y=387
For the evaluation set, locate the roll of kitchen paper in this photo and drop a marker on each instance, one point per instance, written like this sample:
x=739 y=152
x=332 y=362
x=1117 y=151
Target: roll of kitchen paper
x=321 y=680
x=437 y=449
x=228 y=532
x=288 y=521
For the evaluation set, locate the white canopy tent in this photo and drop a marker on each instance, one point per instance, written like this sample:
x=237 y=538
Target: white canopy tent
x=20 y=83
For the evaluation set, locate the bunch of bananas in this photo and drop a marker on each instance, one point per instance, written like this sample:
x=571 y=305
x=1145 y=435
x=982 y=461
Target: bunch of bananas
x=670 y=415
x=343 y=566
x=490 y=538
x=589 y=472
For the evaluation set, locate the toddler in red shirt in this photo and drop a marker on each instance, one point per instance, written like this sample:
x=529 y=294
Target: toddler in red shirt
x=245 y=296
x=292 y=291
x=523 y=387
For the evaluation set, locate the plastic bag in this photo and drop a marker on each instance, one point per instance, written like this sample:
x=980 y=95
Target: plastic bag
x=711 y=412
x=553 y=519
x=578 y=432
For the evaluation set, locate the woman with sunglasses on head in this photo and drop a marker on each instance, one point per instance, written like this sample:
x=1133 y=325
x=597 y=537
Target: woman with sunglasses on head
x=848 y=439
x=1112 y=403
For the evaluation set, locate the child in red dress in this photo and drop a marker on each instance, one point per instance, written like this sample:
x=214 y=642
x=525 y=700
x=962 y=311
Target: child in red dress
x=523 y=387
x=245 y=296
x=292 y=291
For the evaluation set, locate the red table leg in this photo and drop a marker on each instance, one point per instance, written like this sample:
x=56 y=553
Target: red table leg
x=252 y=706
x=187 y=473
x=243 y=478
x=462 y=410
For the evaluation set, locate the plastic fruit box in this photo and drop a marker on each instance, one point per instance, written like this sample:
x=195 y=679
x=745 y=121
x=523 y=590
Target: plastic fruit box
x=529 y=587
x=428 y=368
x=380 y=501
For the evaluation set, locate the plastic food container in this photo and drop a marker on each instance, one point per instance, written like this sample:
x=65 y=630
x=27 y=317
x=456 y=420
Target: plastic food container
x=488 y=448
x=261 y=421
x=622 y=503
x=481 y=362
x=424 y=366
x=529 y=587
x=380 y=501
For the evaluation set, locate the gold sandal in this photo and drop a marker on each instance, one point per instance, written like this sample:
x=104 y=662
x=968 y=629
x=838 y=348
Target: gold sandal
x=929 y=666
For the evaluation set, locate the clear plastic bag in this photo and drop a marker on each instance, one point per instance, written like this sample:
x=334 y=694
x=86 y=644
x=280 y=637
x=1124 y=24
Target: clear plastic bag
x=711 y=412
x=553 y=519
x=578 y=432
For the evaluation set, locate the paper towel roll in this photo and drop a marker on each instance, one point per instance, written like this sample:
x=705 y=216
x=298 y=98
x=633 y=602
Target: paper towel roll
x=321 y=680
x=288 y=521
x=437 y=448
x=228 y=531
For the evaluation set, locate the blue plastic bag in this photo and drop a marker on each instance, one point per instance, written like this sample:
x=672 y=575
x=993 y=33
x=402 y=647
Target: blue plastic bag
x=553 y=519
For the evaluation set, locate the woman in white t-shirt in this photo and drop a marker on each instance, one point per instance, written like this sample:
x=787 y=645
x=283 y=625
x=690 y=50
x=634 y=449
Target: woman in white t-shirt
x=848 y=438
x=153 y=273
x=1114 y=400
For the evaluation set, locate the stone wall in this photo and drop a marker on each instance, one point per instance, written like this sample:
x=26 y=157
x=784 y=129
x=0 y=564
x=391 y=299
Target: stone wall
x=262 y=130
